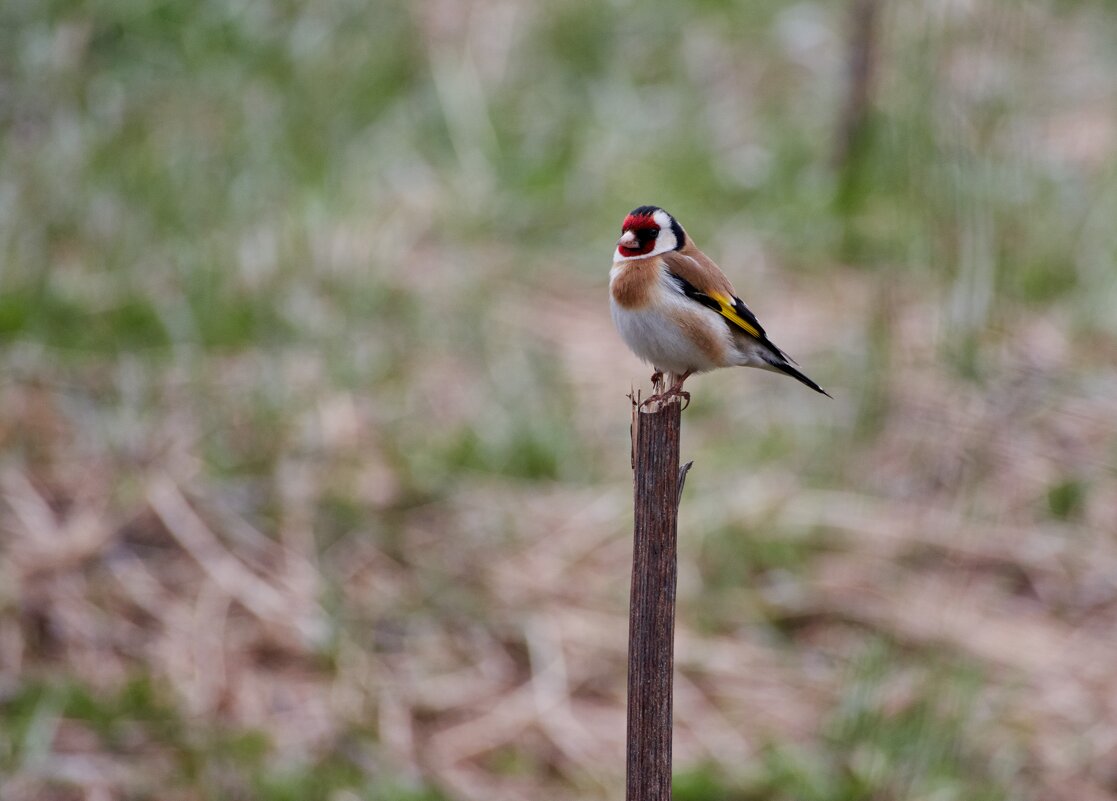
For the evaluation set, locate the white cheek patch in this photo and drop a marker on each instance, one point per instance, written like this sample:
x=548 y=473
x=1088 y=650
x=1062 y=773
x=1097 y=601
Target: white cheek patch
x=666 y=240
x=662 y=219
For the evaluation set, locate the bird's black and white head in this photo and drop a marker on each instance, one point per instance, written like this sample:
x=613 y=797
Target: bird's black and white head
x=648 y=231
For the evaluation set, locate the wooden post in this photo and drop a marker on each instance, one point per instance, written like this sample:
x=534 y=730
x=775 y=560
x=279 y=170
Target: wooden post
x=658 y=484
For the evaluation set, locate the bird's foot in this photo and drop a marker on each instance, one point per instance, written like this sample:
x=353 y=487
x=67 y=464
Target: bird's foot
x=657 y=389
x=668 y=395
x=661 y=395
x=677 y=391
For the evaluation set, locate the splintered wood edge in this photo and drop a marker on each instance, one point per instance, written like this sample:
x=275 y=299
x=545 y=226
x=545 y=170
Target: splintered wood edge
x=654 y=405
x=682 y=481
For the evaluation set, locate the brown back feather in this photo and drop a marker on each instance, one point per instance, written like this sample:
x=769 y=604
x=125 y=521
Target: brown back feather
x=699 y=270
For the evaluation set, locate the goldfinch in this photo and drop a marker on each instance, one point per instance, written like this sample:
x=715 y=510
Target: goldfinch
x=676 y=309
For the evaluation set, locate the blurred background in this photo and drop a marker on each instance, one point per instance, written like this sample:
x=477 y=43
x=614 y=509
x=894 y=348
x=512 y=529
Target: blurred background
x=315 y=462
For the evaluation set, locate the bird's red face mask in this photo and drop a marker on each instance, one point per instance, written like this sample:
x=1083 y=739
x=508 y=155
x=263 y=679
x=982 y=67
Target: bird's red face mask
x=638 y=236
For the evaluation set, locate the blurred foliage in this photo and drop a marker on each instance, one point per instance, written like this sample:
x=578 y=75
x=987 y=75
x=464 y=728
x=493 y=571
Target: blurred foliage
x=339 y=266
x=899 y=733
x=204 y=760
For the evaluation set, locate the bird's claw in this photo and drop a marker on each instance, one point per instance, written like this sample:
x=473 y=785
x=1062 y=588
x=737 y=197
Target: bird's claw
x=678 y=392
x=674 y=392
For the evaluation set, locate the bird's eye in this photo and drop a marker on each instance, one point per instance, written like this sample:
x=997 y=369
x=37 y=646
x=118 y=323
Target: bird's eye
x=650 y=233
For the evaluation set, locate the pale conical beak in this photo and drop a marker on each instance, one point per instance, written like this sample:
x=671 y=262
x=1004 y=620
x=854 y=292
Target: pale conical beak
x=628 y=240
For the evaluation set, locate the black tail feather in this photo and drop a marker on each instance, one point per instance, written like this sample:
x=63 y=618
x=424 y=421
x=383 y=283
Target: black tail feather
x=798 y=375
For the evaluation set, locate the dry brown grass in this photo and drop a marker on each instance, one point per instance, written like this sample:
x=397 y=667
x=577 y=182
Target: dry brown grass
x=491 y=626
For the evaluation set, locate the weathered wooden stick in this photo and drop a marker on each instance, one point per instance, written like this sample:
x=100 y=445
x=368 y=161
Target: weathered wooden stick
x=658 y=484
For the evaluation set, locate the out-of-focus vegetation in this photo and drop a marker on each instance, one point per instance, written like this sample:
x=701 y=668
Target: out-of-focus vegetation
x=315 y=443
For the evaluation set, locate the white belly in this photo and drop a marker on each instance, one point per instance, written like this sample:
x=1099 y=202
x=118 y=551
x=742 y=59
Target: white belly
x=655 y=337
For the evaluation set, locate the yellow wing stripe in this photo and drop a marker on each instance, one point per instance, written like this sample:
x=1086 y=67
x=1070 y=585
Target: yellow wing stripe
x=727 y=311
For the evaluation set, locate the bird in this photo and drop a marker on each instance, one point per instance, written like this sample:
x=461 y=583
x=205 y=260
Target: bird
x=676 y=309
